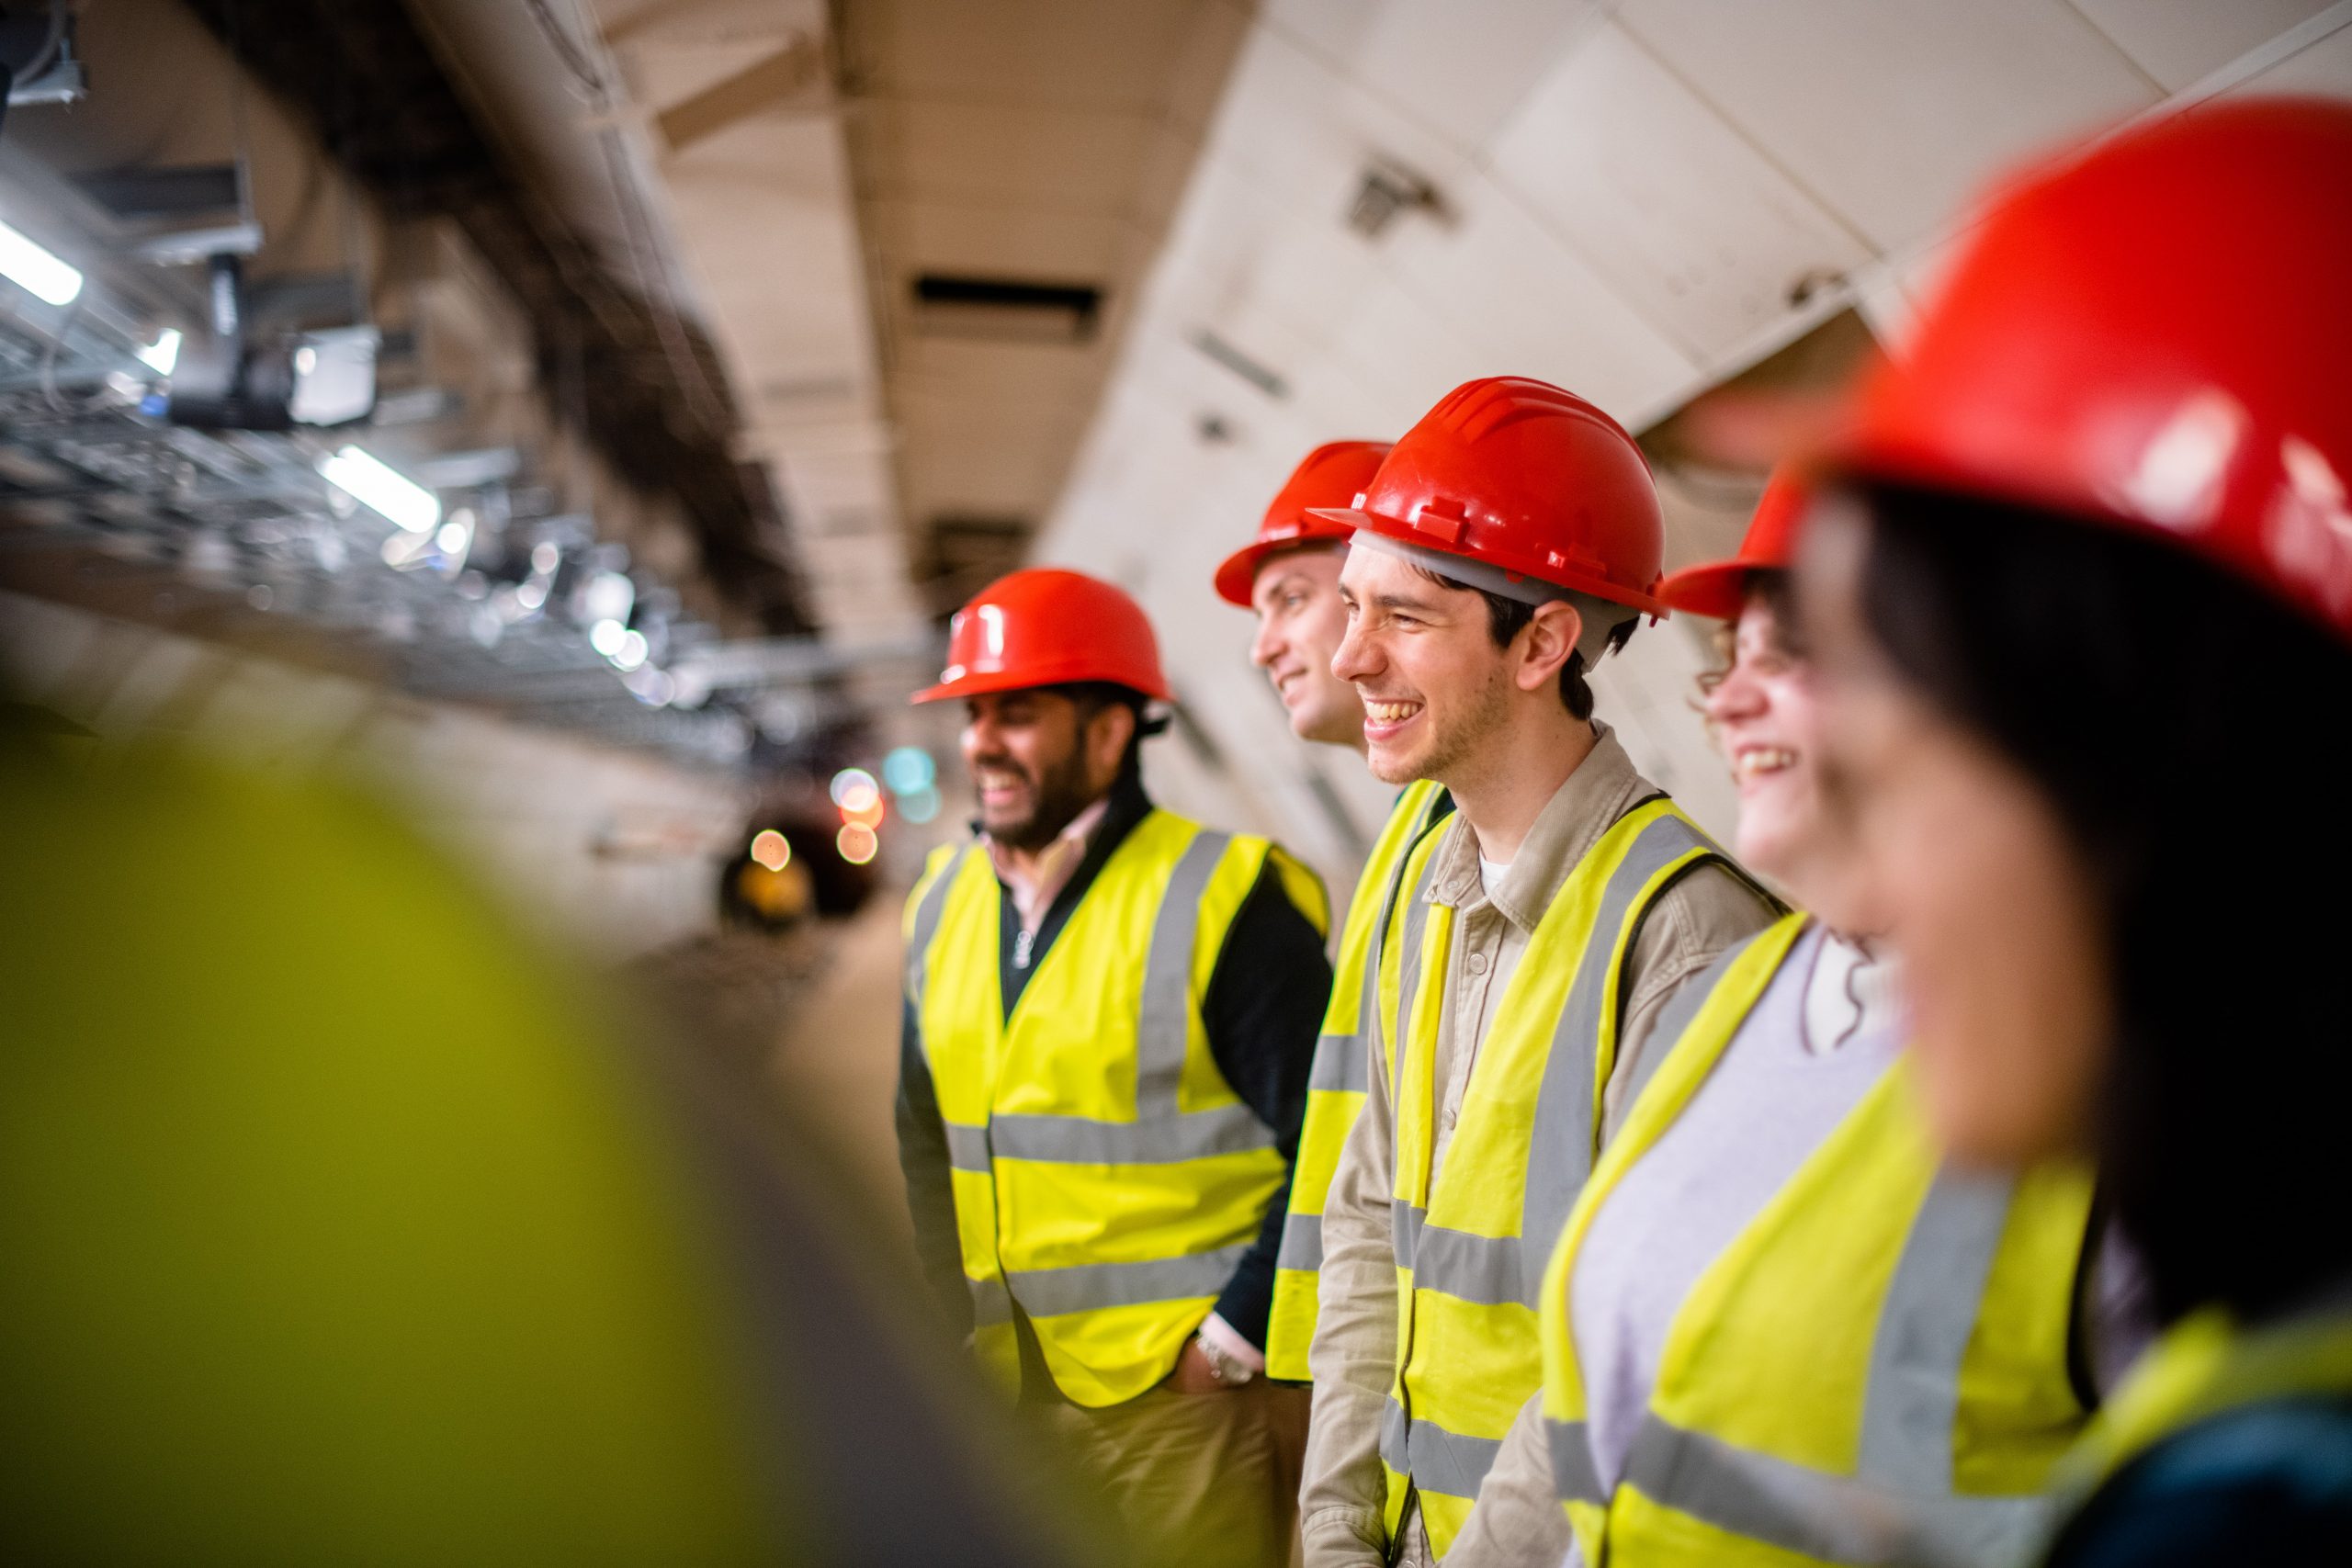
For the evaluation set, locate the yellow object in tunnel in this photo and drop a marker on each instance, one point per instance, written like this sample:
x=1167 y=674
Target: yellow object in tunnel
x=333 y=1228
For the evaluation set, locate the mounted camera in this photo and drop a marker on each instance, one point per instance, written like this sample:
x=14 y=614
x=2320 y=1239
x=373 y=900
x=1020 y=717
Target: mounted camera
x=37 y=60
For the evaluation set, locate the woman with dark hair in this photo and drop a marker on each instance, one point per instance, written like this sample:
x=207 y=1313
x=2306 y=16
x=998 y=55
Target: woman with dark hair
x=2083 y=603
x=1778 y=1322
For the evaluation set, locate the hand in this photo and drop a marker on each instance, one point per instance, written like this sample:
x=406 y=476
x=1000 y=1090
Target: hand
x=1193 y=1374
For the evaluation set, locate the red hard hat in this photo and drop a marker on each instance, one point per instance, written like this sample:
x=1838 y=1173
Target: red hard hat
x=1048 y=628
x=1528 y=478
x=1330 y=477
x=2155 y=336
x=1719 y=588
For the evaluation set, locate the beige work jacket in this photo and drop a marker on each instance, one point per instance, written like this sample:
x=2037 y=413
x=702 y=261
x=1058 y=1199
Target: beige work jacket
x=1517 y=1520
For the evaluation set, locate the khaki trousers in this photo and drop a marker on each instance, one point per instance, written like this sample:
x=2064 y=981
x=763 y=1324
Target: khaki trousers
x=1196 y=1480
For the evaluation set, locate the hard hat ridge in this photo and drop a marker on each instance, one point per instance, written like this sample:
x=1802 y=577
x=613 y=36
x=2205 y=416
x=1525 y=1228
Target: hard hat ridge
x=1047 y=626
x=1329 y=476
x=1529 y=479
x=2152 y=336
x=1719 y=588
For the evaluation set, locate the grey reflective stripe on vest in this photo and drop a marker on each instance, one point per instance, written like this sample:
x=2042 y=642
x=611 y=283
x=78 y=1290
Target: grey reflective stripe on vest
x=1409 y=965
x=1161 y=1139
x=1437 y=1459
x=1160 y=1134
x=1485 y=1269
x=1801 y=1509
x=1338 y=1063
x=1092 y=1287
x=1675 y=1018
x=1500 y=1270
x=991 y=1303
x=1933 y=1304
x=1900 y=1507
x=1165 y=1024
x=1558 y=1164
x=967 y=1147
x=1301 y=1245
x=1405 y=1223
x=927 y=914
x=1343 y=1061
x=1574 y=1479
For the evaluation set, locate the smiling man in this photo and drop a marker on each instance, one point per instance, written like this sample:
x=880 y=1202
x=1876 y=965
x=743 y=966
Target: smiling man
x=1509 y=540
x=1289 y=575
x=1110 y=1017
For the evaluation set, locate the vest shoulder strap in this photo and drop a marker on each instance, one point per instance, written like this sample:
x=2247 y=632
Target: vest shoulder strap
x=1695 y=1027
x=925 y=905
x=2206 y=1364
x=1674 y=1020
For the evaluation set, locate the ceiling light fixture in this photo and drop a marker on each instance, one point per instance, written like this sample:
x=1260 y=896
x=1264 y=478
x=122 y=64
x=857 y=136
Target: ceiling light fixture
x=35 y=270
x=381 y=488
x=163 y=353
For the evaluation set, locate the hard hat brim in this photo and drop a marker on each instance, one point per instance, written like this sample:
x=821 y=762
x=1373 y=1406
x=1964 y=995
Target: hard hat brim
x=1716 y=589
x=983 y=682
x=1236 y=575
x=1593 y=583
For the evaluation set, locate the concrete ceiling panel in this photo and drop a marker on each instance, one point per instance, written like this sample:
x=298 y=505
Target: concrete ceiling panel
x=1523 y=303
x=1892 y=111
x=2178 y=43
x=1459 y=68
x=1038 y=157
x=762 y=212
x=1304 y=133
x=985 y=239
x=1079 y=54
x=1408 y=354
x=2323 y=67
x=1689 y=224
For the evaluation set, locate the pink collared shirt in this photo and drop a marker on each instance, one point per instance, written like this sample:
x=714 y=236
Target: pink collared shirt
x=1034 y=890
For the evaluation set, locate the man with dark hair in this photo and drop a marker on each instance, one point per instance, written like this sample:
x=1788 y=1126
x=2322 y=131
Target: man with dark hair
x=1111 y=1012
x=1509 y=540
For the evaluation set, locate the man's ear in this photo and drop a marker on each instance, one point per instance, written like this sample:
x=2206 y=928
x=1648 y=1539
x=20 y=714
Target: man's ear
x=1107 y=734
x=1550 y=638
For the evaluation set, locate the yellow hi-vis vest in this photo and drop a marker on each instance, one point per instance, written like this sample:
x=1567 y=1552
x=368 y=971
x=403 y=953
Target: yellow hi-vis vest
x=1107 y=1180
x=1873 y=1372
x=2205 y=1365
x=1335 y=1091
x=1470 y=1246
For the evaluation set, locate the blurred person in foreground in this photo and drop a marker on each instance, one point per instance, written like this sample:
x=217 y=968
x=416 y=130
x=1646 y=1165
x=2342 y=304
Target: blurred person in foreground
x=1778 y=1322
x=340 y=1225
x=1289 y=575
x=1110 y=1014
x=2085 y=613
x=1509 y=541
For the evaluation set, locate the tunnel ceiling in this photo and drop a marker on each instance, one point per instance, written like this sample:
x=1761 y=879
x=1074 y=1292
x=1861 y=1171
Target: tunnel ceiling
x=1017 y=163
x=651 y=392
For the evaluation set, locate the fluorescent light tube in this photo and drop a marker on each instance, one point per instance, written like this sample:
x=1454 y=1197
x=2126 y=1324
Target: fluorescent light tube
x=375 y=484
x=42 y=275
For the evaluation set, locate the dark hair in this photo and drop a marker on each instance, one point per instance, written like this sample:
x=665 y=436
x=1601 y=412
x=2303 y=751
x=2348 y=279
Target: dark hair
x=2167 y=711
x=1777 y=587
x=1506 y=618
x=1092 y=697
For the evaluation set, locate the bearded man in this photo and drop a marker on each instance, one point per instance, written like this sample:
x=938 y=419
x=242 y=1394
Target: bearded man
x=1111 y=1015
